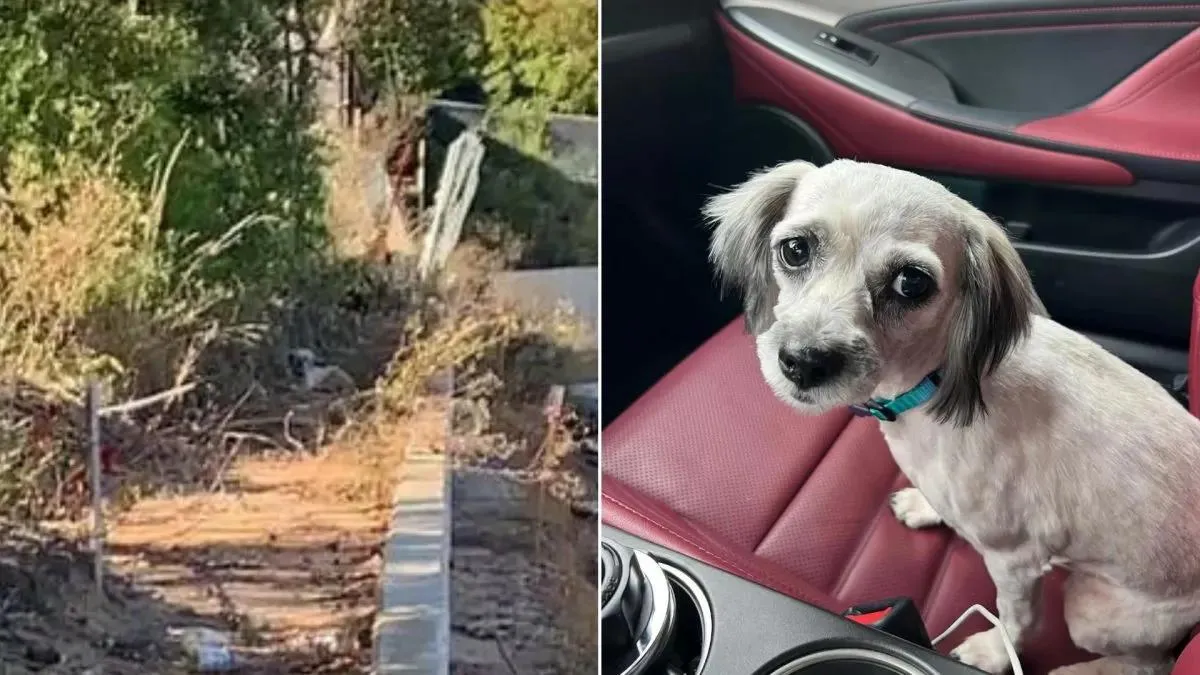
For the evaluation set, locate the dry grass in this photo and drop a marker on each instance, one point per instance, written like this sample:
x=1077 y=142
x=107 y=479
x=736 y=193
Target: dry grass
x=371 y=161
x=354 y=169
x=87 y=294
x=85 y=289
x=505 y=363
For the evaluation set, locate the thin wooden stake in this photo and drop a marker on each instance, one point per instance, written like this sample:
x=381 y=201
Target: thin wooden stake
x=96 y=470
x=537 y=527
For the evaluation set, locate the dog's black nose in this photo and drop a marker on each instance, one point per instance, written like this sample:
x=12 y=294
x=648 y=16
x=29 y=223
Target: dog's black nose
x=808 y=367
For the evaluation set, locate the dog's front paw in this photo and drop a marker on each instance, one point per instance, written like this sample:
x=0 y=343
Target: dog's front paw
x=912 y=509
x=984 y=651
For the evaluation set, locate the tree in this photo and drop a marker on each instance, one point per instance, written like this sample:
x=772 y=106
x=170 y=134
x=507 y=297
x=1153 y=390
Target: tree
x=416 y=47
x=544 y=51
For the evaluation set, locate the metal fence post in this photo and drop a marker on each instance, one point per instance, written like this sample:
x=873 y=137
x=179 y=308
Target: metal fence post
x=95 y=471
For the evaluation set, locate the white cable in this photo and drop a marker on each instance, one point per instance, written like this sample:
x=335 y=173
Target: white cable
x=980 y=610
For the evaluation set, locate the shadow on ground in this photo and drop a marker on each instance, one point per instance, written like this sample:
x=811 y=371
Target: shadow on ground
x=54 y=622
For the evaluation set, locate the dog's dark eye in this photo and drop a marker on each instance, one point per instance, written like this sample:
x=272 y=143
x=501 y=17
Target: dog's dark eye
x=793 y=252
x=912 y=284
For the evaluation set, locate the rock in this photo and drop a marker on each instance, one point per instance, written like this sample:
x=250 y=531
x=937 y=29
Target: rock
x=327 y=642
x=20 y=590
x=132 y=648
x=469 y=417
x=42 y=653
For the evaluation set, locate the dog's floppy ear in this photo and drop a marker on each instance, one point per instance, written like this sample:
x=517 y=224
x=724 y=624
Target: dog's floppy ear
x=994 y=313
x=742 y=220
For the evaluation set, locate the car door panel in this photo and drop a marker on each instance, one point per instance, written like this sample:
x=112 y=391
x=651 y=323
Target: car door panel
x=908 y=19
x=858 y=124
x=1102 y=195
x=1151 y=113
x=1029 y=55
x=833 y=12
x=1141 y=122
x=1007 y=68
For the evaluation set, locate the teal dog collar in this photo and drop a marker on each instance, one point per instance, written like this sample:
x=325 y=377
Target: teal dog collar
x=888 y=409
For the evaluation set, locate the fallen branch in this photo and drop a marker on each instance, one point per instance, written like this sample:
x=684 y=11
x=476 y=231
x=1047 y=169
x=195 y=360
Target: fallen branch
x=287 y=432
x=146 y=402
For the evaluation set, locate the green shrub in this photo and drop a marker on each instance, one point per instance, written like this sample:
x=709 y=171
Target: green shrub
x=544 y=51
x=526 y=204
x=417 y=47
x=84 y=77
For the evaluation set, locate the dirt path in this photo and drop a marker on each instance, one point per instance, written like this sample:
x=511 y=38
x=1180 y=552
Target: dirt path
x=286 y=560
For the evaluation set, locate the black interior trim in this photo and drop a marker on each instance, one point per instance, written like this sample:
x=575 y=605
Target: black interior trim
x=1143 y=296
x=661 y=38
x=666 y=100
x=1148 y=358
x=623 y=17
x=900 y=22
x=971 y=118
x=817 y=151
x=1167 y=191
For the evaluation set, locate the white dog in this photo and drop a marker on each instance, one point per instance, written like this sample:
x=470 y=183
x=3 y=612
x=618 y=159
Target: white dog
x=873 y=286
x=315 y=374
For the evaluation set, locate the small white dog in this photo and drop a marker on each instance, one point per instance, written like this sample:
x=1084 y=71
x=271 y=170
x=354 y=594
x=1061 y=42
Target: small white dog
x=315 y=374
x=880 y=289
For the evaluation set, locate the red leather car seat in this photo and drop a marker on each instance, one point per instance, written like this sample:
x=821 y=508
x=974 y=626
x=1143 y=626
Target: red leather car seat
x=711 y=464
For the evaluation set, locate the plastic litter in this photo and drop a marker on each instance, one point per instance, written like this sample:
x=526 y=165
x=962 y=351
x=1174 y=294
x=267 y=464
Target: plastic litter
x=214 y=659
x=210 y=649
